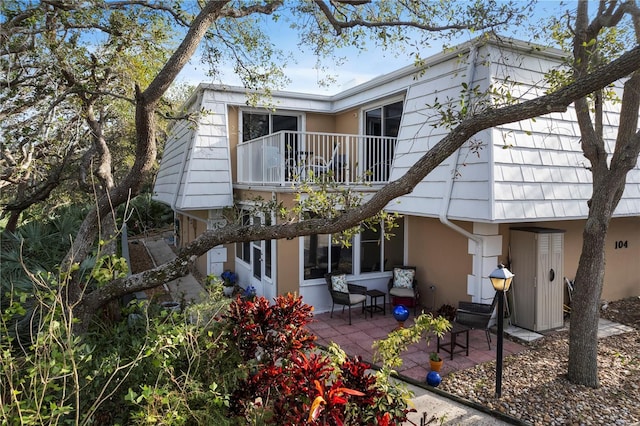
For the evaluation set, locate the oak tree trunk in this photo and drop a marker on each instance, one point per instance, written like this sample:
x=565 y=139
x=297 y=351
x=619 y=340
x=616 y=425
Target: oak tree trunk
x=583 y=331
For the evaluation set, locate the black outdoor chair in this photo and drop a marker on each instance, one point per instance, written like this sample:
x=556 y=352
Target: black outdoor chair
x=477 y=315
x=356 y=295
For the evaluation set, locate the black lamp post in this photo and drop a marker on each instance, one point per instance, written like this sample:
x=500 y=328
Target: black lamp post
x=501 y=280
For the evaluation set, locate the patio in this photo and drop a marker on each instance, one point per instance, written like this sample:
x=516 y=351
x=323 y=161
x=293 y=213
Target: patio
x=356 y=339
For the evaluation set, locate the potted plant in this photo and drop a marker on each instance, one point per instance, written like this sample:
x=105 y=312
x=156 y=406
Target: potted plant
x=229 y=279
x=447 y=311
x=435 y=361
x=249 y=293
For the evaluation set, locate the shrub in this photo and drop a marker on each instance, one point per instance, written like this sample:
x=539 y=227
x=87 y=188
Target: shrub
x=138 y=371
x=218 y=362
x=145 y=214
x=289 y=381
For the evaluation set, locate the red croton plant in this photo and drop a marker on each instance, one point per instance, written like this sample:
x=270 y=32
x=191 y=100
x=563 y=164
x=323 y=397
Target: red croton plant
x=291 y=381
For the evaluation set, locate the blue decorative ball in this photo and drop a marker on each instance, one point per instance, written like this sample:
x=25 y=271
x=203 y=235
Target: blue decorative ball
x=433 y=378
x=400 y=313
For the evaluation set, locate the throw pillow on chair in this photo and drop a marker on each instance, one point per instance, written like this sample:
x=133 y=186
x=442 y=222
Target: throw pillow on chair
x=339 y=283
x=403 y=278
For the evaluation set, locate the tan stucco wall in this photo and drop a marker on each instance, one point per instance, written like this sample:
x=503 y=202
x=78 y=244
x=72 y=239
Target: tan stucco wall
x=288 y=255
x=314 y=123
x=191 y=226
x=622 y=268
x=233 y=139
x=321 y=123
x=440 y=255
x=348 y=122
x=287 y=264
x=622 y=274
x=345 y=122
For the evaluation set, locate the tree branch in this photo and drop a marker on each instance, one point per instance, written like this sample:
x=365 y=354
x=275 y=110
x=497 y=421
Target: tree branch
x=41 y=191
x=265 y=9
x=185 y=50
x=155 y=6
x=340 y=25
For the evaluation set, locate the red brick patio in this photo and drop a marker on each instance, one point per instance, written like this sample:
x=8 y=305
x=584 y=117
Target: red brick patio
x=356 y=339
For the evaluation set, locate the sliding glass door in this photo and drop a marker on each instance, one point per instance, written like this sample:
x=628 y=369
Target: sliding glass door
x=378 y=152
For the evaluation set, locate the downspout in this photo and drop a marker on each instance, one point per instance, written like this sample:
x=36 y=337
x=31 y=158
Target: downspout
x=446 y=200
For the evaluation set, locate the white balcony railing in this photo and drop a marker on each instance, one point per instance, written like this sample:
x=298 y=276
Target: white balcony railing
x=289 y=157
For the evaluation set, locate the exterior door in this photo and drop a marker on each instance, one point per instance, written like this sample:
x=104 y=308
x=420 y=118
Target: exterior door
x=257 y=266
x=377 y=153
x=261 y=265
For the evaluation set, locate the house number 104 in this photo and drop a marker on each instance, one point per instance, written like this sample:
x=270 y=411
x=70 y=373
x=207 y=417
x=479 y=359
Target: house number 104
x=622 y=244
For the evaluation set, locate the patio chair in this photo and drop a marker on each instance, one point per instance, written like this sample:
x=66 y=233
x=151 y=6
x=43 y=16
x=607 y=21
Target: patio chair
x=477 y=315
x=343 y=293
x=321 y=166
x=566 y=307
x=403 y=284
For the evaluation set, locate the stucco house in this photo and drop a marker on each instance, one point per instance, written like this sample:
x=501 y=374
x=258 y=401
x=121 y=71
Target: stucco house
x=515 y=194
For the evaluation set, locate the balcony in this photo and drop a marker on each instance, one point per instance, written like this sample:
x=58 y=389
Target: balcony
x=290 y=157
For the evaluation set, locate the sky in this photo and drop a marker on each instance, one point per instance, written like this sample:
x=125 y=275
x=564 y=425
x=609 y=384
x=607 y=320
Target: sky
x=359 y=68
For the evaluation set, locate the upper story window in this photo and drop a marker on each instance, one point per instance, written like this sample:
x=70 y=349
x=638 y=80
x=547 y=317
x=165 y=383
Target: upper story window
x=378 y=151
x=256 y=124
x=383 y=120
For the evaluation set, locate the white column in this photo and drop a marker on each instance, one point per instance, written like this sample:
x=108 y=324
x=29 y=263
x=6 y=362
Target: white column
x=485 y=260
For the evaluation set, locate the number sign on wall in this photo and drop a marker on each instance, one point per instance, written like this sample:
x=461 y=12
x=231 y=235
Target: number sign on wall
x=622 y=244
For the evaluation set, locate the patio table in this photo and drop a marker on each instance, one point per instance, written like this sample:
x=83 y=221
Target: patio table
x=453 y=345
x=373 y=305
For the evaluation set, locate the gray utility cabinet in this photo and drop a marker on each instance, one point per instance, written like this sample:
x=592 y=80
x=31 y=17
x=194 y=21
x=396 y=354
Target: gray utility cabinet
x=537 y=259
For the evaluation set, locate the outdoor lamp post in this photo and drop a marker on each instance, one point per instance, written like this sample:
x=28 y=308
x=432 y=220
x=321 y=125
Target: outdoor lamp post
x=501 y=279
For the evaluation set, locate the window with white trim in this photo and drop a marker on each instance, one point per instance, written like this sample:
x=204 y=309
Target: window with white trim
x=243 y=250
x=369 y=252
x=256 y=124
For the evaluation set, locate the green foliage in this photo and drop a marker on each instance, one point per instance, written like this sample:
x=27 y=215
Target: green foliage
x=151 y=367
x=39 y=374
x=471 y=100
x=214 y=363
x=317 y=198
x=144 y=214
x=108 y=268
x=38 y=245
x=611 y=41
x=422 y=24
x=388 y=350
x=68 y=66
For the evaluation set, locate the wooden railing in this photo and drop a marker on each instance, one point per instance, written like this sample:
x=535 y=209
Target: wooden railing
x=289 y=157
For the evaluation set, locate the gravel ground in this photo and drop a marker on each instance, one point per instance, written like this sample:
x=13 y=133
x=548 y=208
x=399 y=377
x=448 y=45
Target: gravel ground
x=535 y=390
